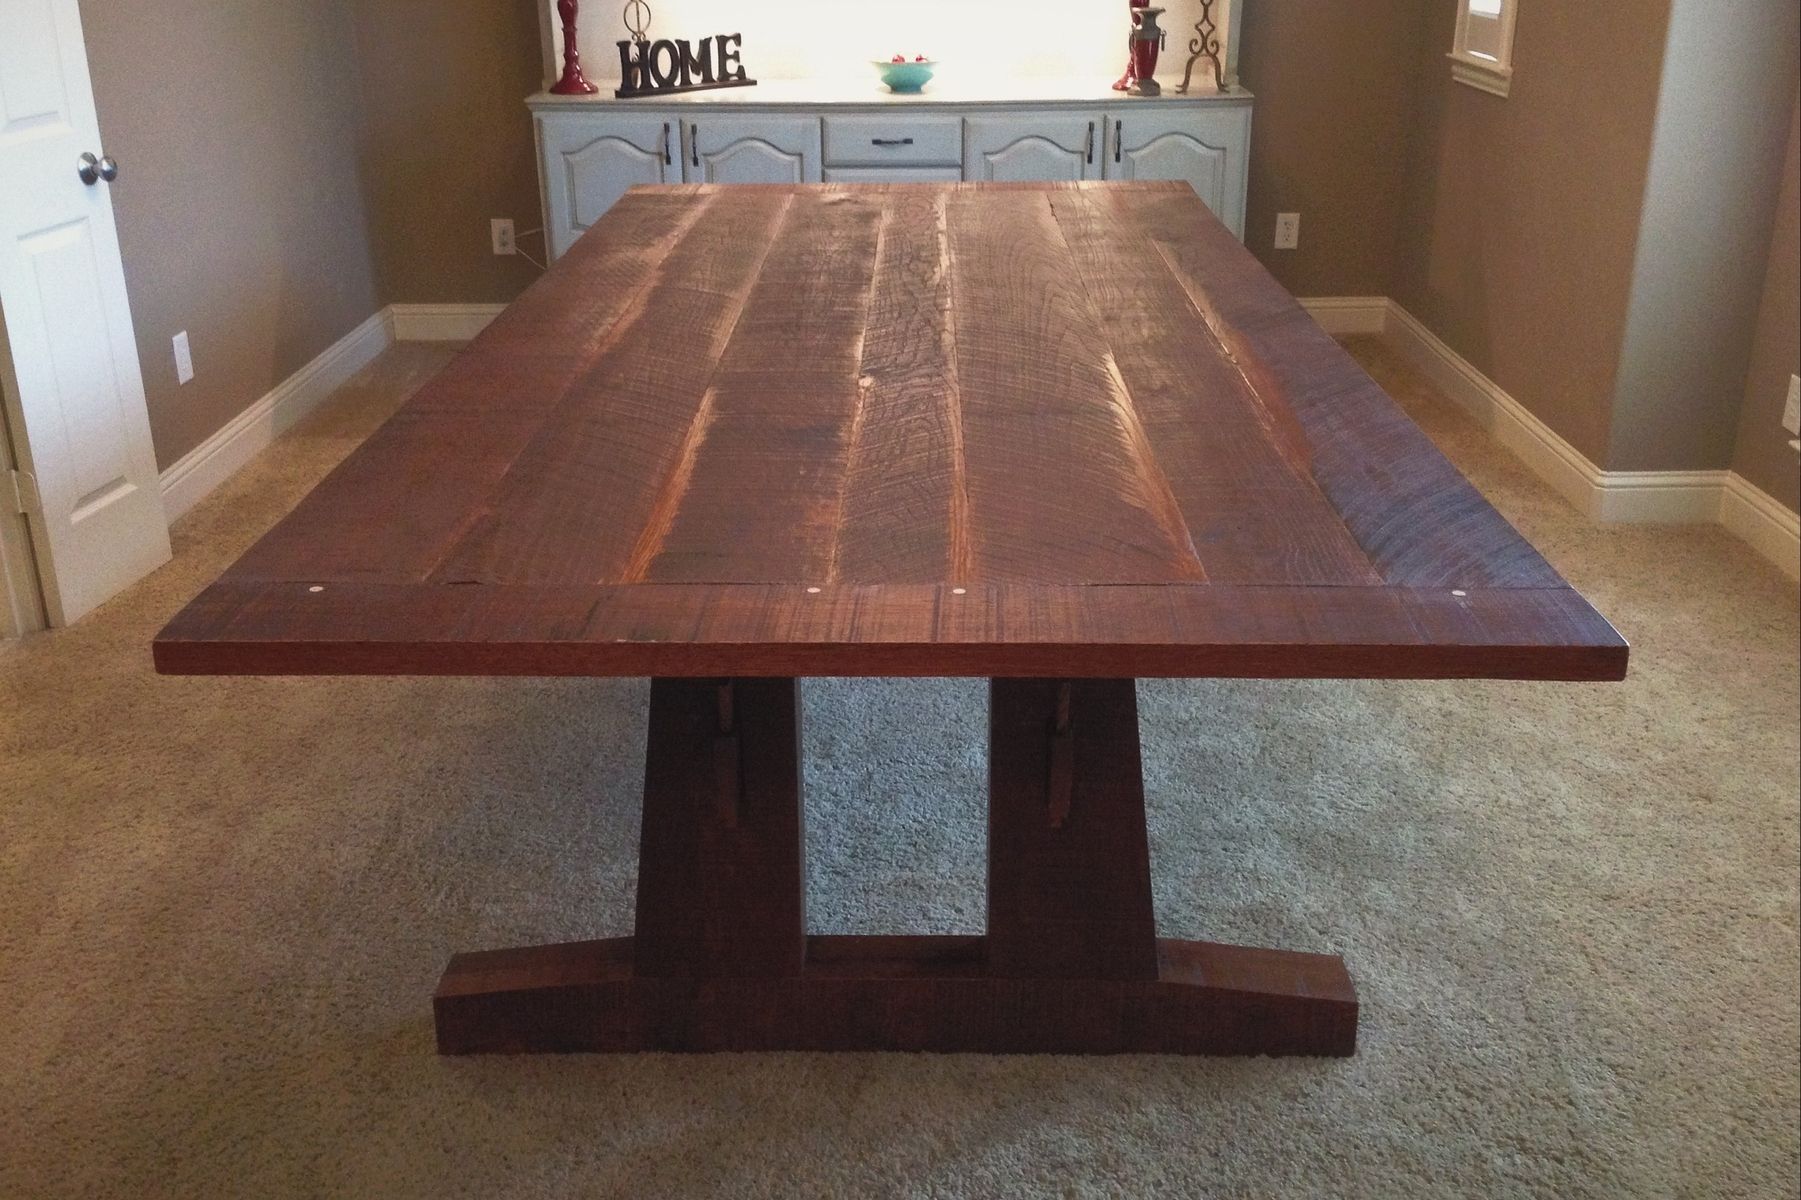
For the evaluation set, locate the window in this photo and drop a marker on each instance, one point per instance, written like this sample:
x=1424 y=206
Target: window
x=1483 y=55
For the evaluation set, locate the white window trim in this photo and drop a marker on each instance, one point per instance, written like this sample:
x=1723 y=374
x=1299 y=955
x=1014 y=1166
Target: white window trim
x=1492 y=75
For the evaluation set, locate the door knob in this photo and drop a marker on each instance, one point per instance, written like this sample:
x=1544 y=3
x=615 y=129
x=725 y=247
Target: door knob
x=92 y=170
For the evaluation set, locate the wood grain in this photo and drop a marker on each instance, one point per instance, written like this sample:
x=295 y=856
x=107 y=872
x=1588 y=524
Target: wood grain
x=900 y=994
x=893 y=630
x=1016 y=430
x=1069 y=882
x=721 y=890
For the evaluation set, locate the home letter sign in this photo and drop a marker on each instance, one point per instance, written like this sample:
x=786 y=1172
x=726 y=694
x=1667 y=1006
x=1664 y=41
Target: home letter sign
x=652 y=68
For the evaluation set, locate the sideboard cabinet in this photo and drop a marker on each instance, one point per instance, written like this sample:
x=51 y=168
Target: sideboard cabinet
x=590 y=150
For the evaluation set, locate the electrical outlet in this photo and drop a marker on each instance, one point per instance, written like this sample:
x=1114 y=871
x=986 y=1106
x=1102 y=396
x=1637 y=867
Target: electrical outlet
x=1791 y=412
x=501 y=229
x=184 y=359
x=1288 y=231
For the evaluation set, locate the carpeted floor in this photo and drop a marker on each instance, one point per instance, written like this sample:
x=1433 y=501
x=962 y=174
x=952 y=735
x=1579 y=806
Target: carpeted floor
x=1571 y=912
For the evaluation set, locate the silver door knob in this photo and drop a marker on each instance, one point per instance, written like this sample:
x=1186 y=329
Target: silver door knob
x=93 y=170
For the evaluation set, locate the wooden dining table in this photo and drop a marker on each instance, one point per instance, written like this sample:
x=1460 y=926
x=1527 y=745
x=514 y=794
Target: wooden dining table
x=1061 y=437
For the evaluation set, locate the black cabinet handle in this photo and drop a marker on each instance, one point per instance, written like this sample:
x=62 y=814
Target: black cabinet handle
x=1119 y=139
x=666 y=159
x=694 y=142
x=891 y=141
x=1089 y=151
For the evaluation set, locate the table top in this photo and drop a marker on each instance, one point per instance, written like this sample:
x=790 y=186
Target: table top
x=945 y=429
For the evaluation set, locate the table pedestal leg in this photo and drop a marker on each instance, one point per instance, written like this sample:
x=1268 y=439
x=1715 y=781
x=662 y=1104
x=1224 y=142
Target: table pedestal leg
x=720 y=961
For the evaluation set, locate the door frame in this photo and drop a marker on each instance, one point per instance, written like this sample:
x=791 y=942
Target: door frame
x=22 y=608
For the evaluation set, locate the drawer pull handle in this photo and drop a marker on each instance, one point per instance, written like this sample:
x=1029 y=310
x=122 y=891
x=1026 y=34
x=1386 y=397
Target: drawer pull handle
x=891 y=141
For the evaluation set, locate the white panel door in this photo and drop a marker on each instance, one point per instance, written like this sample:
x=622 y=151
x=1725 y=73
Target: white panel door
x=74 y=395
x=1026 y=149
x=754 y=149
x=590 y=159
x=1207 y=148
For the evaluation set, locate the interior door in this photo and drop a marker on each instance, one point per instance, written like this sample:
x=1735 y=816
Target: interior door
x=756 y=149
x=1062 y=147
x=591 y=159
x=74 y=396
x=1198 y=146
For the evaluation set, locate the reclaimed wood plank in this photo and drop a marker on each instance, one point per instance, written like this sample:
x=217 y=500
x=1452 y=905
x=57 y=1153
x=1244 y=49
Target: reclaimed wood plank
x=576 y=501
x=905 y=516
x=429 y=469
x=1418 y=520
x=1238 y=463
x=761 y=501
x=1062 y=487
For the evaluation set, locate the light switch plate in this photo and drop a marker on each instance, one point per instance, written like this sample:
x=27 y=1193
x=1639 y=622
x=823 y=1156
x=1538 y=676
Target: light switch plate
x=184 y=358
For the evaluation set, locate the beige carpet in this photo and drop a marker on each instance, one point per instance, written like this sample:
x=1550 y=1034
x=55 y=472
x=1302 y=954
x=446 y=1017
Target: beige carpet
x=1571 y=912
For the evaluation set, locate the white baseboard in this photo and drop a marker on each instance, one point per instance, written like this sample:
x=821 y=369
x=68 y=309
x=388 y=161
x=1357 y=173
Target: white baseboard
x=1343 y=316
x=1763 y=522
x=1658 y=497
x=441 y=322
x=216 y=459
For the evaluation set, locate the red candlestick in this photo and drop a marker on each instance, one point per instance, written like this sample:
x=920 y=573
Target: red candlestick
x=1144 y=65
x=1131 y=76
x=573 y=82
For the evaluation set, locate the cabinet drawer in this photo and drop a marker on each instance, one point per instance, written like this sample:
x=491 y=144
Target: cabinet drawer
x=893 y=174
x=898 y=140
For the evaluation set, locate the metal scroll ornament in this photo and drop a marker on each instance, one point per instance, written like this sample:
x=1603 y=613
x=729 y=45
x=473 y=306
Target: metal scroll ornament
x=1205 y=45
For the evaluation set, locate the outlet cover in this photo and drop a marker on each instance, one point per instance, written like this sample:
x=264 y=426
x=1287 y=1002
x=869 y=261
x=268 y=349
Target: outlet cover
x=184 y=359
x=1288 y=231
x=501 y=230
x=1791 y=412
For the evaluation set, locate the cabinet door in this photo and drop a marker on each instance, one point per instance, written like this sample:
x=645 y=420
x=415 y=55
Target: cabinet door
x=752 y=149
x=1205 y=147
x=589 y=159
x=1023 y=149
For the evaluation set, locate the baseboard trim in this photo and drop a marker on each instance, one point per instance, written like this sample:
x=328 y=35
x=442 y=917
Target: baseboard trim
x=212 y=462
x=441 y=322
x=1763 y=522
x=1344 y=316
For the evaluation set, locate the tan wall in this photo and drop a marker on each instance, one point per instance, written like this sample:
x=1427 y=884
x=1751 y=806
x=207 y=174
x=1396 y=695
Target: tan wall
x=240 y=215
x=1762 y=455
x=1521 y=215
x=1704 y=234
x=447 y=143
x=1335 y=85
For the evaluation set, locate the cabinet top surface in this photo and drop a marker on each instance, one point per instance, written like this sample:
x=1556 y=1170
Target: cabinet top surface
x=944 y=429
x=854 y=93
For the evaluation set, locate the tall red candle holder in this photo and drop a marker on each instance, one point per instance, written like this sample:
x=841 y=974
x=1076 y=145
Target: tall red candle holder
x=573 y=82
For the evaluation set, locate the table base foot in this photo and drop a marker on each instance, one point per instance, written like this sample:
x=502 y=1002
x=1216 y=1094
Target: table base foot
x=896 y=993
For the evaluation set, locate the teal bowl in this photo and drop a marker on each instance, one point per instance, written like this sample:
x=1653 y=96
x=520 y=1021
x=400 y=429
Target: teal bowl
x=905 y=77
